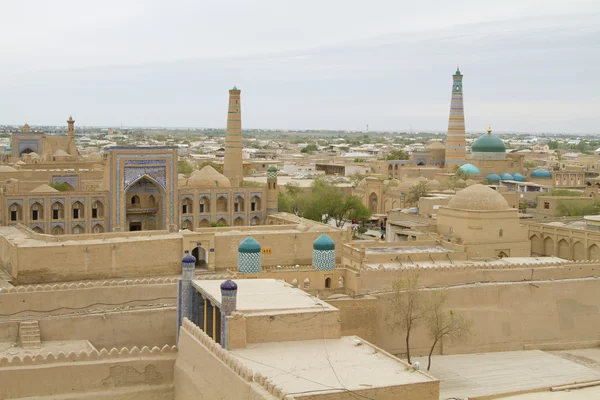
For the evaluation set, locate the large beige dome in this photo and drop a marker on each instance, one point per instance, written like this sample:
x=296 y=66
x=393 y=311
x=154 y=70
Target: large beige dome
x=478 y=198
x=206 y=178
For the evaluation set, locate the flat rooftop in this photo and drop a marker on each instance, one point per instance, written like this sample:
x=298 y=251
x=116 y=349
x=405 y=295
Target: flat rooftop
x=469 y=375
x=406 y=249
x=316 y=365
x=259 y=296
x=506 y=261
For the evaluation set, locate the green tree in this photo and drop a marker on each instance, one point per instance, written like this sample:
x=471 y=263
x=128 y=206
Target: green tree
x=184 y=167
x=355 y=178
x=61 y=187
x=443 y=323
x=309 y=149
x=217 y=167
x=553 y=145
x=405 y=308
x=397 y=155
x=217 y=225
x=415 y=192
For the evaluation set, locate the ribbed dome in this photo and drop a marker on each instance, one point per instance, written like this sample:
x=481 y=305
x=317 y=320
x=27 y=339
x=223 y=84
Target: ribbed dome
x=541 y=173
x=469 y=169
x=208 y=177
x=478 y=198
x=506 y=177
x=518 y=177
x=488 y=143
x=229 y=285
x=188 y=258
x=324 y=242
x=272 y=168
x=249 y=245
x=494 y=178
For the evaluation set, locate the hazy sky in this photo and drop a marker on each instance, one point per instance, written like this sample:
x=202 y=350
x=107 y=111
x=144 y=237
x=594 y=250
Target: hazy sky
x=528 y=65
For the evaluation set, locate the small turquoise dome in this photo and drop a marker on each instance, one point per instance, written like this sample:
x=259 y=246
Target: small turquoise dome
x=518 y=177
x=541 y=173
x=469 y=169
x=7 y=148
x=324 y=242
x=229 y=285
x=272 y=168
x=188 y=258
x=494 y=178
x=249 y=245
x=488 y=143
x=507 y=177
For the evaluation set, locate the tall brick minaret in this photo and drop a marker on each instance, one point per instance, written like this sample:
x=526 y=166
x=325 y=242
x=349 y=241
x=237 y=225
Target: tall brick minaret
x=455 y=141
x=232 y=167
x=71 y=126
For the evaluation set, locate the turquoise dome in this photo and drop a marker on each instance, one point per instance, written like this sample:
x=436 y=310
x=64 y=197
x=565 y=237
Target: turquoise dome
x=488 y=143
x=469 y=169
x=249 y=245
x=272 y=168
x=518 y=177
x=7 y=148
x=494 y=178
x=507 y=177
x=541 y=173
x=324 y=242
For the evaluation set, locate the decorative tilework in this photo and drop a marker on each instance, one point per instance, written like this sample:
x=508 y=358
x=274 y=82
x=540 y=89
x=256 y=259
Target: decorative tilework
x=70 y=179
x=187 y=196
x=219 y=195
x=133 y=174
x=79 y=199
x=257 y=194
x=187 y=219
x=324 y=260
x=79 y=224
x=16 y=201
x=36 y=225
x=145 y=162
x=55 y=224
x=32 y=201
x=249 y=263
x=57 y=200
x=242 y=195
x=29 y=144
x=224 y=216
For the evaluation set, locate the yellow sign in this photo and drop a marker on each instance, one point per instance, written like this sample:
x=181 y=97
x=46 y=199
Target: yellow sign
x=267 y=251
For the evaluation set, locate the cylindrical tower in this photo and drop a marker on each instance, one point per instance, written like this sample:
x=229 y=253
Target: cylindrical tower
x=232 y=165
x=228 y=305
x=455 y=141
x=272 y=190
x=249 y=261
x=185 y=290
x=324 y=253
x=71 y=125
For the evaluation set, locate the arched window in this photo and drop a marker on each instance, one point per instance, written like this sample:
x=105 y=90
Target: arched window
x=500 y=233
x=341 y=282
x=58 y=230
x=238 y=204
x=187 y=225
x=98 y=228
x=222 y=204
x=255 y=203
x=307 y=283
x=204 y=205
x=186 y=206
x=135 y=200
x=97 y=210
x=295 y=282
x=15 y=212
x=37 y=229
x=37 y=212
x=77 y=210
x=328 y=283
x=77 y=230
x=238 y=222
x=151 y=201
x=57 y=211
x=204 y=223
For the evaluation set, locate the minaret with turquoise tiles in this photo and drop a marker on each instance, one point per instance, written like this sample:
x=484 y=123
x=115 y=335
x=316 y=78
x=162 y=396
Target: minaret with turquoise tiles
x=455 y=141
x=185 y=290
x=249 y=261
x=324 y=253
x=272 y=190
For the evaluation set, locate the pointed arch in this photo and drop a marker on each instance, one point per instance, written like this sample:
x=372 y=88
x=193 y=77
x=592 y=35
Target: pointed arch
x=36 y=211
x=58 y=230
x=564 y=249
x=548 y=246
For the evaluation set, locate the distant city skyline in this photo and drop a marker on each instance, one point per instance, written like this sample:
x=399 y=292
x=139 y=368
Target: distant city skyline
x=528 y=66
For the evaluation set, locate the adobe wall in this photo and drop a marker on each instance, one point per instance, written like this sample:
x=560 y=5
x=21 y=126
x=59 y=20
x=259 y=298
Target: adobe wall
x=204 y=370
x=359 y=316
x=511 y=316
x=76 y=260
x=95 y=374
x=317 y=280
x=8 y=256
x=413 y=391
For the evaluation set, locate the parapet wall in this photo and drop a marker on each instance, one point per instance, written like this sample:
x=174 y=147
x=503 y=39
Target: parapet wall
x=89 y=372
x=205 y=370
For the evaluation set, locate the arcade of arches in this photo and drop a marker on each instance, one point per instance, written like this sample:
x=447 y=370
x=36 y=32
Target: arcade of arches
x=143 y=206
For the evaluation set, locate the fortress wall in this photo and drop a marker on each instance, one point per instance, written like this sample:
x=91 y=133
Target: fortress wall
x=378 y=280
x=359 y=316
x=316 y=279
x=41 y=300
x=510 y=316
x=91 y=373
x=205 y=370
x=8 y=256
x=74 y=260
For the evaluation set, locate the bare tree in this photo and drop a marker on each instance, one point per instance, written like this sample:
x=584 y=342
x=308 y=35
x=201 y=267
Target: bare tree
x=405 y=307
x=443 y=323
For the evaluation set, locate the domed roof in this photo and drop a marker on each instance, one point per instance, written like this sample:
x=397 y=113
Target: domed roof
x=541 y=173
x=435 y=146
x=208 y=177
x=249 y=245
x=433 y=183
x=272 y=168
x=229 y=285
x=488 y=143
x=506 y=177
x=393 y=182
x=469 y=169
x=518 y=177
x=494 y=178
x=324 y=242
x=188 y=258
x=478 y=198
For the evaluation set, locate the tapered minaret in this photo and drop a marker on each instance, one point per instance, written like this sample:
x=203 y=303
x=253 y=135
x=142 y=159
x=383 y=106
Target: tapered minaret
x=71 y=125
x=232 y=167
x=455 y=141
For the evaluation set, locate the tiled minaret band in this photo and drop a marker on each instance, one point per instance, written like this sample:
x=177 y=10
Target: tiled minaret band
x=455 y=141
x=324 y=253
x=232 y=166
x=272 y=190
x=228 y=305
x=249 y=261
x=184 y=290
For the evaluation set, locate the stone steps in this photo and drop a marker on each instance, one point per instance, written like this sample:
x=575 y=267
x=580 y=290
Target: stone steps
x=29 y=335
